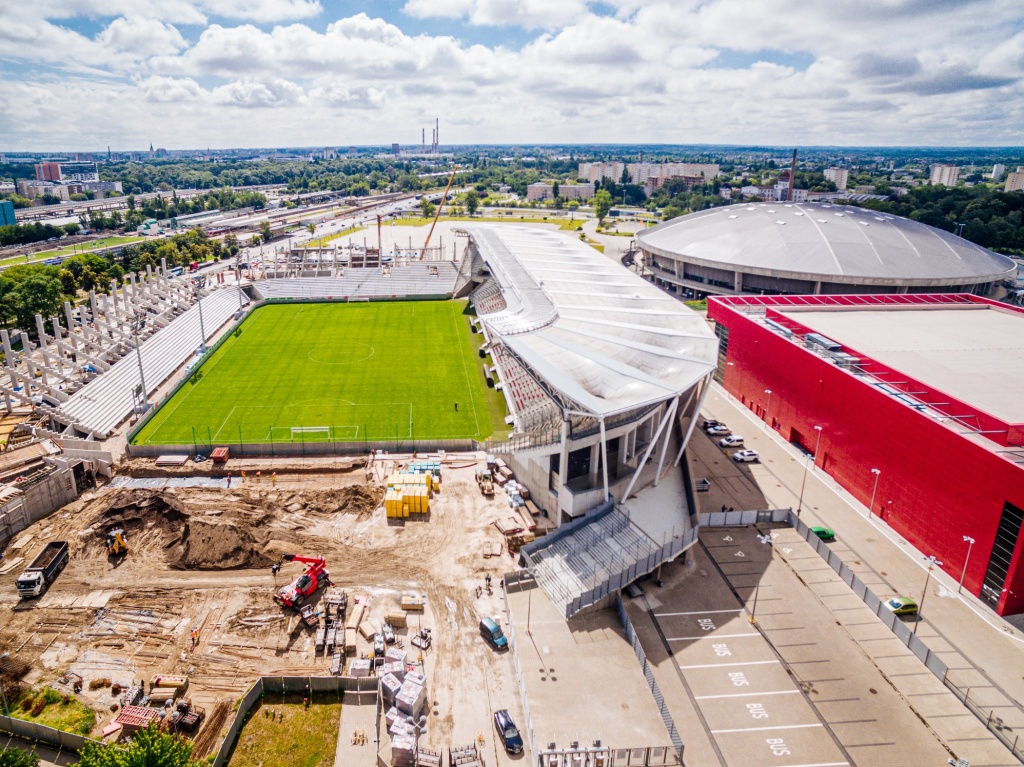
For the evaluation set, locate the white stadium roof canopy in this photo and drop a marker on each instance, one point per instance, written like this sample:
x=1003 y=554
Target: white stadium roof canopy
x=595 y=332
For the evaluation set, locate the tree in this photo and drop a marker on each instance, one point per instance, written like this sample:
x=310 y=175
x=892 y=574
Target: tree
x=70 y=228
x=265 y=232
x=148 y=748
x=311 y=227
x=602 y=204
x=472 y=201
x=38 y=293
x=15 y=757
x=427 y=207
x=555 y=190
x=130 y=202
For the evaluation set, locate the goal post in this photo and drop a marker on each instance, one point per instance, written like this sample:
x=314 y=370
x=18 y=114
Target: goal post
x=310 y=433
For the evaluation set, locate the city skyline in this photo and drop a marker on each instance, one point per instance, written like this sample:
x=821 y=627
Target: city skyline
x=199 y=73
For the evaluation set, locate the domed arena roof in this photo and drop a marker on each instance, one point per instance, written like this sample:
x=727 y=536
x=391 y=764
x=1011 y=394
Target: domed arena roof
x=820 y=241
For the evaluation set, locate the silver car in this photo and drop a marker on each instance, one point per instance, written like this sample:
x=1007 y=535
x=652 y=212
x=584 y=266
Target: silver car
x=733 y=440
x=745 y=456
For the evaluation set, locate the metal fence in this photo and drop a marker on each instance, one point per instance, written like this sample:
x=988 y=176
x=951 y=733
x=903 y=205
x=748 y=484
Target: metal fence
x=743 y=518
x=652 y=683
x=994 y=723
x=295 y=685
x=66 y=741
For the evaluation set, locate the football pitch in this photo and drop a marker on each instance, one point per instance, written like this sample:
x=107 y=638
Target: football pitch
x=321 y=372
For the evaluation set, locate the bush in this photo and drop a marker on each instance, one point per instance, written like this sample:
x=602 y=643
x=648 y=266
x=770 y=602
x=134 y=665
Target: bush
x=39 y=705
x=50 y=695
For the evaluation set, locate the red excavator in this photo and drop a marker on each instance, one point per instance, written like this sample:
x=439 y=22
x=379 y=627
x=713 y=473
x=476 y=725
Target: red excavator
x=315 y=577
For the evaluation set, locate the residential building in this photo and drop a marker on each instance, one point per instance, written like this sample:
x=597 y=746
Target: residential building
x=542 y=191
x=838 y=176
x=62 y=172
x=35 y=189
x=1015 y=181
x=596 y=171
x=7 y=213
x=997 y=171
x=945 y=175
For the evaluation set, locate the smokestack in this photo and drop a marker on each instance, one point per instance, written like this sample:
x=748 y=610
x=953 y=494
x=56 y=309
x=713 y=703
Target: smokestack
x=437 y=133
x=423 y=139
x=792 y=178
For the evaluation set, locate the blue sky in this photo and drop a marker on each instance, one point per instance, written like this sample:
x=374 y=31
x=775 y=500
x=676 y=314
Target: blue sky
x=84 y=74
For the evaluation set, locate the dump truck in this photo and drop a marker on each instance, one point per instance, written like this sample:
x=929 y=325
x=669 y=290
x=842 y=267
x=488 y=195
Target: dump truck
x=485 y=482
x=44 y=569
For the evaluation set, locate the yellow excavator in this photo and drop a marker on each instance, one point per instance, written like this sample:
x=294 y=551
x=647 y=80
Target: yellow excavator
x=117 y=543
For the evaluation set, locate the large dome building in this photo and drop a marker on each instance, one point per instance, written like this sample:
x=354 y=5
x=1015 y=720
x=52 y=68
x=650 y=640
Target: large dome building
x=813 y=248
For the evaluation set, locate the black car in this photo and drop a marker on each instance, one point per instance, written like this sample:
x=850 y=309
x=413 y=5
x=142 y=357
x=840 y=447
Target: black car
x=508 y=732
x=709 y=422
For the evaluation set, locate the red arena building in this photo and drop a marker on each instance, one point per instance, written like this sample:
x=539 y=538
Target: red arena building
x=913 y=403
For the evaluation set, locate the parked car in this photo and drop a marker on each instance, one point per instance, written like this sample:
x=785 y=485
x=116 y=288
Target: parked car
x=824 y=533
x=745 y=456
x=902 y=605
x=709 y=422
x=508 y=732
x=720 y=429
x=491 y=631
x=733 y=440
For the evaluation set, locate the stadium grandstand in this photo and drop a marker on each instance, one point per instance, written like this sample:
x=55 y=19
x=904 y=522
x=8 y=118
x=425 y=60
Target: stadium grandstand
x=417 y=279
x=86 y=377
x=601 y=372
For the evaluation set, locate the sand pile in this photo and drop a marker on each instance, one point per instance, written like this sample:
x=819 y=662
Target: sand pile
x=219 y=544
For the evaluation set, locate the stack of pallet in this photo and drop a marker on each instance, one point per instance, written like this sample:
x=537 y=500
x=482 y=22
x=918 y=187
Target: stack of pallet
x=465 y=756
x=403 y=751
x=165 y=688
x=408 y=494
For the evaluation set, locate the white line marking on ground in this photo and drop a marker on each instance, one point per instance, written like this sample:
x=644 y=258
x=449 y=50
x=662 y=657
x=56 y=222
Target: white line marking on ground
x=730 y=665
x=776 y=727
x=697 y=612
x=746 y=694
x=713 y=636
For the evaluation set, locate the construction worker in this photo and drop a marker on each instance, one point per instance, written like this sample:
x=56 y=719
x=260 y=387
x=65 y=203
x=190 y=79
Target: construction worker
x=258 y=475
x=273 y=478
x=229 y=479
x=275 y=568
x=243 y=476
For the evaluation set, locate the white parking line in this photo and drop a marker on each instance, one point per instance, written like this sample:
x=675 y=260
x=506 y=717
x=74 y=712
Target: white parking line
x=762 y=729
x=697 y=612
x=817 y=764
x=713 y=636
x=746 y=694
x=730 y=665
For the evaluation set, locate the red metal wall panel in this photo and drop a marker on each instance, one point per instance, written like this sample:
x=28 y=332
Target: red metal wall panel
x=935 y=486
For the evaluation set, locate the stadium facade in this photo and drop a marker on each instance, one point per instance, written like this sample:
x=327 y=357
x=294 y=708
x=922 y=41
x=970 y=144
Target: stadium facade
x=811 y=249
x=597 y=366
x=910 y=402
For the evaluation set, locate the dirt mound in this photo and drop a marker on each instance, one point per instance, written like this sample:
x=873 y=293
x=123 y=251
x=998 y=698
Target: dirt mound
x=140 y=507
x=352 y=499
x=219 y=544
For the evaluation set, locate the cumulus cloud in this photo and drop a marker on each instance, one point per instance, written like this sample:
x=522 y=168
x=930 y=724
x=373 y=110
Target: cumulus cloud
x=733 y=71
x=528 y=14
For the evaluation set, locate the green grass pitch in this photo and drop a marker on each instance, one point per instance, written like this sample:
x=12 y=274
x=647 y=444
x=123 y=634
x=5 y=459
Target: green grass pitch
x=316 y=372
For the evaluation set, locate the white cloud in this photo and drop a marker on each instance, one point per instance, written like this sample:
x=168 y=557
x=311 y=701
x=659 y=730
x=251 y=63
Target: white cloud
x=528 y=14
x=737 y=71
x=141 y=37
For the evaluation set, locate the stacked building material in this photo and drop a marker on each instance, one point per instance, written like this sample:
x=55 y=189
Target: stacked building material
x=403 y=751
x=361 y=667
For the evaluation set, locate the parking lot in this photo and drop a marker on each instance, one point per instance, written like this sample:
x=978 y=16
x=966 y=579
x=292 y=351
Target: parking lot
x=810 y=683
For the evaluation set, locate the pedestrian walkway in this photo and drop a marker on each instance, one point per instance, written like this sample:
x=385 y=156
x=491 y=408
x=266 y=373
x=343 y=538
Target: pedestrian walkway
x=356 y=733
x=161 y=483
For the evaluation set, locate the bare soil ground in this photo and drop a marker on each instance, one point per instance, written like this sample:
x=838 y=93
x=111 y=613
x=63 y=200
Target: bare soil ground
x=199 y=558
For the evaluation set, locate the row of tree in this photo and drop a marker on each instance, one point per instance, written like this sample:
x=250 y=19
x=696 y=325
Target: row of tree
x=30 y=289
x=148 y=748
x=991 y=218
x=26 y=234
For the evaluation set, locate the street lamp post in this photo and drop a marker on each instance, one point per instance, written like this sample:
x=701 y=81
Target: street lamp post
x=871 y=505
x=800 y=503
x=766 y=540
x=768 y=407
x=932 y=561
x=970 y=544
